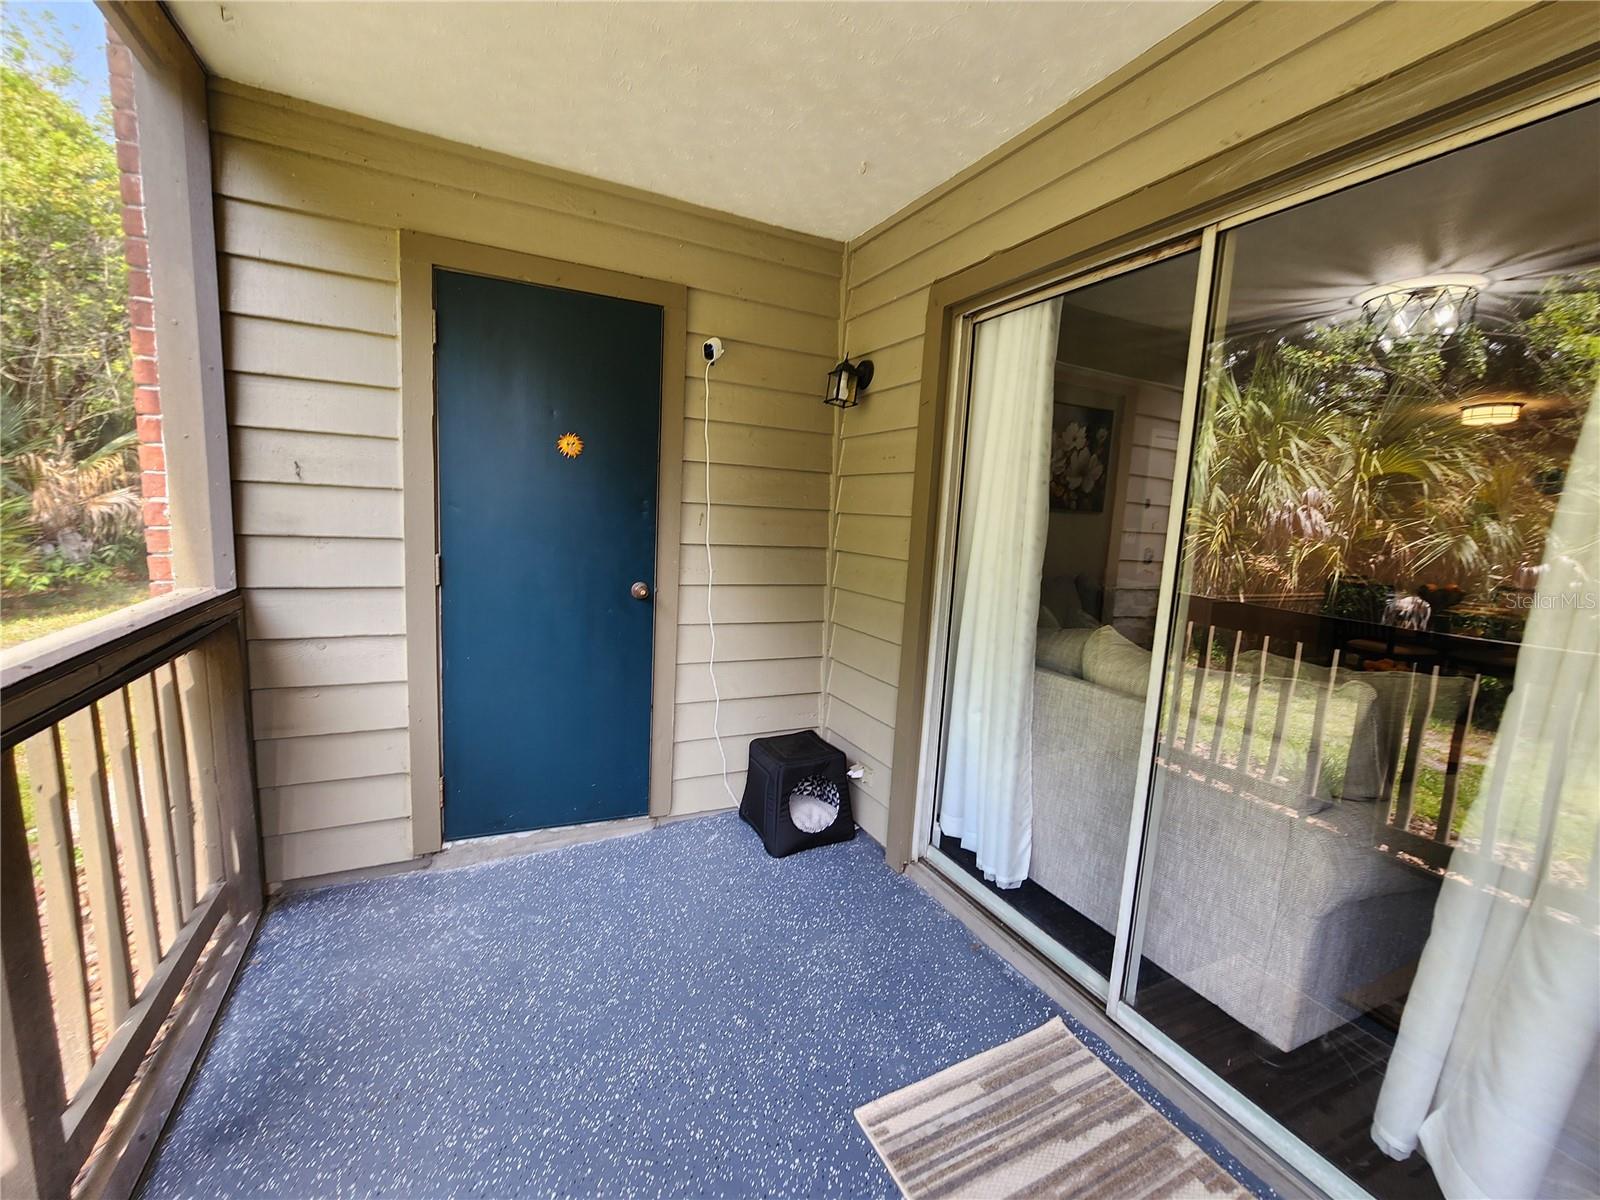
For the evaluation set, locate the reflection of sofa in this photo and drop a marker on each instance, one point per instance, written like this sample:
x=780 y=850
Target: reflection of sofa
x=1271 y=901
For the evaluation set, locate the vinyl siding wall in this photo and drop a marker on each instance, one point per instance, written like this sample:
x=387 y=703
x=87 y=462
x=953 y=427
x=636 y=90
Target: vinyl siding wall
x=309 y=205
x=1242 y=73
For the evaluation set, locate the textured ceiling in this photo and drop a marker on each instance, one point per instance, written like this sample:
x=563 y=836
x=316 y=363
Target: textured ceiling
x=1517 y=209
x=820 y=117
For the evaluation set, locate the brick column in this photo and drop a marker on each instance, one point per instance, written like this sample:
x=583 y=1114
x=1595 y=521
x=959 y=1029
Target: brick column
x=142 y=321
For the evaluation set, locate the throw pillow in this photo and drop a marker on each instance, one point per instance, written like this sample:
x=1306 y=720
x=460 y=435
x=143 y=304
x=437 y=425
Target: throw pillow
x=1061 y=650
x=1111 y=661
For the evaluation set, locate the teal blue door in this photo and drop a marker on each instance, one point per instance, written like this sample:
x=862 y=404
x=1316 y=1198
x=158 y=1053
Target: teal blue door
x=545 y=652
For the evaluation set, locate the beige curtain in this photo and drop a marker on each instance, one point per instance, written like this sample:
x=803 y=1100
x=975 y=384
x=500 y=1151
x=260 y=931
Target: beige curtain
x=987 y=797
x=1495 y=1065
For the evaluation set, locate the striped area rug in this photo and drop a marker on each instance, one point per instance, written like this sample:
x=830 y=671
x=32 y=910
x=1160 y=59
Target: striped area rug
x=1038 y=1116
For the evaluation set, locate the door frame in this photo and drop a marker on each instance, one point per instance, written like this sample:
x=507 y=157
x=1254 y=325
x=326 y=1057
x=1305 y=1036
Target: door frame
x=420 y=255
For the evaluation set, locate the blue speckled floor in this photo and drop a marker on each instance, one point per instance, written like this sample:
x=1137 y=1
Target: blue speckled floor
x=668 y=1014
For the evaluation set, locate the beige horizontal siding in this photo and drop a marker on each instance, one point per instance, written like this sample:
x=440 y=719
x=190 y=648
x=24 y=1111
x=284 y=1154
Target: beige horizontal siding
x=309 y=204
x=756 y=445
x=320 y=562
x=301 y=808
x=341 y=186
x=287 y=238
x=346 y=847
x=309 y=662
x=282 y=762
x=291 y=292
x=740 y=404
x=756 y=487
x=748 y=525
x=1238 y=73
x=262 y=346
x=753 y=716
x=746 y=679
x=311 y=511
x=317 y=711
x=752 y=564
x=272 y=613
x=338 y=460
x=736 y=643
x=310 y=406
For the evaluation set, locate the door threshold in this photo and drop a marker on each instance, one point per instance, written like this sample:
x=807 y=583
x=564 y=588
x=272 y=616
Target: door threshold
x=467 y=852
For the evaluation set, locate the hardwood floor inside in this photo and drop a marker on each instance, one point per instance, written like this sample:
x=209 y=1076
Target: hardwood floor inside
x=1323 y=1092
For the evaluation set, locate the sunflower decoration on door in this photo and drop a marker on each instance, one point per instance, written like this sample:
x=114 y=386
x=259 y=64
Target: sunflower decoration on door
x=570 y=445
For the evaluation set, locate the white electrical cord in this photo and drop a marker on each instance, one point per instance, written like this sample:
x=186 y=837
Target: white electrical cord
x=711 y=579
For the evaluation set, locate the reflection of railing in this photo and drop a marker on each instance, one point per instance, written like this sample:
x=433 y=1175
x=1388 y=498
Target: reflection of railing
x=131 y=882
x=1270 y=660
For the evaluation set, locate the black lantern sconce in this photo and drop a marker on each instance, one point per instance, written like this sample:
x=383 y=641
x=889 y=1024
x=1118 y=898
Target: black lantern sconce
x=847 y=381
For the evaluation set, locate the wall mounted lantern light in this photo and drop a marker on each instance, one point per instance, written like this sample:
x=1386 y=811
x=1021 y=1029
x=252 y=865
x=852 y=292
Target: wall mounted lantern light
x=1417 y=310
x=847 y=381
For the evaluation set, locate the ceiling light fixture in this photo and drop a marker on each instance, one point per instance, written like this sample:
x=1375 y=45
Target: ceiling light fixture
x=1491 y=412
x=1410 y=310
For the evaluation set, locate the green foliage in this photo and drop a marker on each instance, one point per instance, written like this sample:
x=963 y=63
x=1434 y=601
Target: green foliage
x=1322 y=465
x=70 y=508
x=45 y=571
x=1563 y=336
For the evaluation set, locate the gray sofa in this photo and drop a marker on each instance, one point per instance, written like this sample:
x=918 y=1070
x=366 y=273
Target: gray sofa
x=1270 y=899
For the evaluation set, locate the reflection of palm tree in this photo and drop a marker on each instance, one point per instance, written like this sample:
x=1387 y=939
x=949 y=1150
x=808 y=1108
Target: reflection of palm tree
x=1305 y=475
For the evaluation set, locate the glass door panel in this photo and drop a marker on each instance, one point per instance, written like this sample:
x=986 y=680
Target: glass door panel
x=1066 y=488
x=1367 y=891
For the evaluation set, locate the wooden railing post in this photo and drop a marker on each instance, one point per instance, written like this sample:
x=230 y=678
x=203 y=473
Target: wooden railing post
x=158 y=809
x=47 y=778
x=32 y=1089
x=84 y=756
x=233 y=756
x=176 y=762
x=117 y=733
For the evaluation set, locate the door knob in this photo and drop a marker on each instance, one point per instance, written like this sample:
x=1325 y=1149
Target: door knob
x=640 y=590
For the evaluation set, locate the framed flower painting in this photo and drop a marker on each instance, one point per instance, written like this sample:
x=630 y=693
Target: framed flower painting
x=1080 y=458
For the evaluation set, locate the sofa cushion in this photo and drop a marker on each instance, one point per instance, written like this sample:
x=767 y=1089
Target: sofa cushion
x=1112 y=661
x=1061 y=650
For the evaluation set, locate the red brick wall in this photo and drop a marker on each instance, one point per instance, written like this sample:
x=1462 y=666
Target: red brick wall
x=142 y=319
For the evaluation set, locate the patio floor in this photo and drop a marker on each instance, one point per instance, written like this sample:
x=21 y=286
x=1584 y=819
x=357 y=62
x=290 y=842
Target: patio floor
x=671 y=1013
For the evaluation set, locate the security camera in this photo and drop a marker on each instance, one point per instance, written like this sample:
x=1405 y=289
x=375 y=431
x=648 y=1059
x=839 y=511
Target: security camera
x=712 y=349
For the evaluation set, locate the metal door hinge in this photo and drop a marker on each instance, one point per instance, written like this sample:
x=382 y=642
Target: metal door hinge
x=441 y=791
x=438 y=570
x=435 y=316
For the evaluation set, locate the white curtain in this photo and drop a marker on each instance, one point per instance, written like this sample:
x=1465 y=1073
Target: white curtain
x=987 y=799
x=1498 y=1046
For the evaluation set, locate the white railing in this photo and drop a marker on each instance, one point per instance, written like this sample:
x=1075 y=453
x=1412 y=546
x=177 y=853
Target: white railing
x=1251 y=678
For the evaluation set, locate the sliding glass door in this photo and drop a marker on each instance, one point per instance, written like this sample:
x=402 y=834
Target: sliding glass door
x=1310 y=795
x=1066 y=497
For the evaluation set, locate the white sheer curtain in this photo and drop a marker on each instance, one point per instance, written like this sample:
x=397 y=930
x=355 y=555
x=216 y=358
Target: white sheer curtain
x=987 y=799
x=1498 y=1044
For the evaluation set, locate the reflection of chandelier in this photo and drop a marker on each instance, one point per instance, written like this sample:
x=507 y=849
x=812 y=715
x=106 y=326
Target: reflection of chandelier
x=1412 y=310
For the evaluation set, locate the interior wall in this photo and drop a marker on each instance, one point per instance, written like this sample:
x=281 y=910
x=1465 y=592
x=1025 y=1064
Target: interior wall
x=1241 y=75
x=1135 y=369
x=309 y=203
